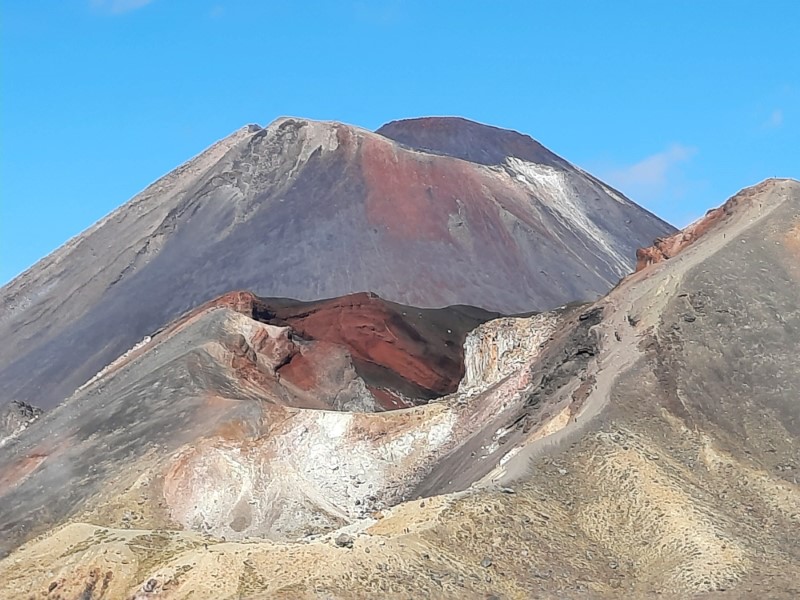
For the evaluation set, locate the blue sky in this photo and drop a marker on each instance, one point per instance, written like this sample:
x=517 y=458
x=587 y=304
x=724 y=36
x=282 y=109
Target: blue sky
x=678 y=103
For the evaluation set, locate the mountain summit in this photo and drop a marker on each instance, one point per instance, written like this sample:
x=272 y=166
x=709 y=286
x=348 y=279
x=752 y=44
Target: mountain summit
x=471 y=141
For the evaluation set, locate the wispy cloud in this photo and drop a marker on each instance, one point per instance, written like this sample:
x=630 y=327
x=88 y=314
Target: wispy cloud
x=775 y=119
x=119 y=6
x=659 y=182
x=386 y=13
x=651 y=174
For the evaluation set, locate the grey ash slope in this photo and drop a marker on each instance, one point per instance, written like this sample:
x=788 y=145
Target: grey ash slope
x=312 y=210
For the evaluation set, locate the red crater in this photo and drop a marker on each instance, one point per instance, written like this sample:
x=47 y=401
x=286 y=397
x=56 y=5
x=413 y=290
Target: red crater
x=407 y=352
x=405 y=355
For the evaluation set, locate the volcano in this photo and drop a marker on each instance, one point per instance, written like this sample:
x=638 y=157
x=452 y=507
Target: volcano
x=426 y=212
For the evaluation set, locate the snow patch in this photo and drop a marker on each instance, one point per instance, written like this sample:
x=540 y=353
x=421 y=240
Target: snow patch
x=552 y=188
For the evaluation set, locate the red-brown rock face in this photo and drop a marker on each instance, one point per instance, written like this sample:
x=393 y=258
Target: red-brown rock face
x=665 y=248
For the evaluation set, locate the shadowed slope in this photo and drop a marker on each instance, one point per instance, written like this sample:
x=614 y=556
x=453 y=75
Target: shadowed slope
x=470 y=141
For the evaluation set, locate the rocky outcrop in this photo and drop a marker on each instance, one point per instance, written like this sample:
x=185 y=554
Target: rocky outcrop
x=15 y=417
x=668 y=247
x=496 y=349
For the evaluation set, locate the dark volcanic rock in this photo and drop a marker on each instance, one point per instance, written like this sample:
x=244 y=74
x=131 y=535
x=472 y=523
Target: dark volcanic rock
x=344 y=540
x=16 y=416
x=311 y=210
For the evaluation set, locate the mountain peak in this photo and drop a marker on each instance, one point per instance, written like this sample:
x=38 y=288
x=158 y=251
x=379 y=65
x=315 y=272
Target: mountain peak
x=468 y=140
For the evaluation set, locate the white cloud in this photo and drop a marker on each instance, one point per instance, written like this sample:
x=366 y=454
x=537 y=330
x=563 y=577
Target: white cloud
x=775 y=119
x=653 y=171
x=119 y=6
x=387 y=13
x=659 y=182
x=651 y=174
